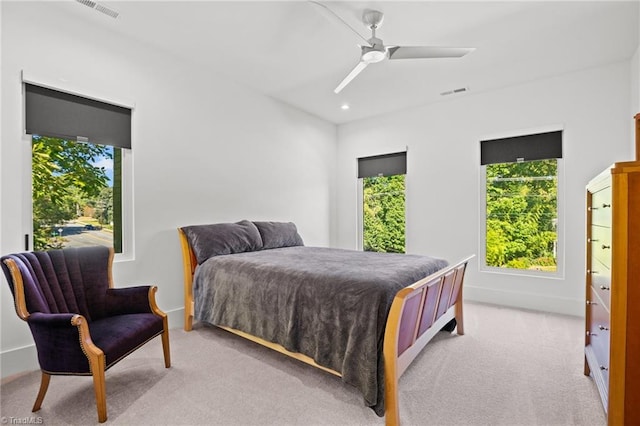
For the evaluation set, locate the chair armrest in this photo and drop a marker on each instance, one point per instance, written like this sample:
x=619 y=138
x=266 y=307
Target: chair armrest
x=54 y=321
x=63 y=342
x=129 y=300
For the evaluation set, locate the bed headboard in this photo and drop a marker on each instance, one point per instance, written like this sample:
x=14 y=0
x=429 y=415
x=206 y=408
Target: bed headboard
x=188 y=256
x=200 y=242
x=189 y=264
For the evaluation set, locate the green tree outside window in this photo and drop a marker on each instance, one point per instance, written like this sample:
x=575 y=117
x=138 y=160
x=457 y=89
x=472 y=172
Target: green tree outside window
x=521 y=215
x=384 y=214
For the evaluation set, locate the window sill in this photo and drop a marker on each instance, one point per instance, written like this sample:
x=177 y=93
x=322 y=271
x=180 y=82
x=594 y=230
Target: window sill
x=557 y=275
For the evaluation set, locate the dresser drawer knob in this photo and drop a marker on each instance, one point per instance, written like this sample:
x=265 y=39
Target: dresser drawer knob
x=591 y=271
x=604 y=247
x=602 y=367
x=589 y=302
x=602 y=328
x=592 y=240
x=604 y=287
x=604 y=206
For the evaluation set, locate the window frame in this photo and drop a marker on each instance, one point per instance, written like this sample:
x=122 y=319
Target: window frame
x=360 y=209
x=559 y=273
x=400 y=152
x=128 y=248
x=127 y=201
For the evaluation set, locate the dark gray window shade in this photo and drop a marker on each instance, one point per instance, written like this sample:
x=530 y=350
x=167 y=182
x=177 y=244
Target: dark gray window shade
x=63 y=115
x=383 y=165
x=540 y=146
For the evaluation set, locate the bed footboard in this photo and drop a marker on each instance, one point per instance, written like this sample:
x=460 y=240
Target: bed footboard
x=418 y=312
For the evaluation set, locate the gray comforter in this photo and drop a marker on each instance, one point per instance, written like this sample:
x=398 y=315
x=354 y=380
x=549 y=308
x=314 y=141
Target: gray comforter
x=329 y=304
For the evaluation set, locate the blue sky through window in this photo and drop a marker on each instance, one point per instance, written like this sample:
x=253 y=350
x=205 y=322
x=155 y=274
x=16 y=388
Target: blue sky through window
x=107 y=164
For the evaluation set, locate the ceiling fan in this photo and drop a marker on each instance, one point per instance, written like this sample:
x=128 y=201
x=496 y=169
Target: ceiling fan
x=375 y=51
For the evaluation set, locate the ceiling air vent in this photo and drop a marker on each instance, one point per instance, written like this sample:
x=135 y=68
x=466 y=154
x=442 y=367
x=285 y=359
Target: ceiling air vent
x=100 y=8
x=89 y=3
x=451 y=92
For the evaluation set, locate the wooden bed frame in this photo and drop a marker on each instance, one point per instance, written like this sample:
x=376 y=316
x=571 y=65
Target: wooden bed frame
x=417 y=313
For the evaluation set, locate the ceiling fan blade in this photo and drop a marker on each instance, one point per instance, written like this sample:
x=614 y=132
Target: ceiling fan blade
x=419 y=52
x=335 y=15
x=354 y=72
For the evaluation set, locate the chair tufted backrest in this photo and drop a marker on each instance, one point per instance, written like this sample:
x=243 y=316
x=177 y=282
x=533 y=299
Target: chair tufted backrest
x=70 y=280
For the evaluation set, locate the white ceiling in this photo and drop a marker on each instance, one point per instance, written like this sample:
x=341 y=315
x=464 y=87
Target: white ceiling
x=296 y=52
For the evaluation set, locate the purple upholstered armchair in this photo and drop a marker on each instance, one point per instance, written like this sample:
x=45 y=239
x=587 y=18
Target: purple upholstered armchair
x=80 y=323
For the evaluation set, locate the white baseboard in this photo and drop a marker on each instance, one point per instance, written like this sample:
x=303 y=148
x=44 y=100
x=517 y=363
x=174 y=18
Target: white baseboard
x=536 y=302
x=19 y=360
x=176 y=318
x=25 y=358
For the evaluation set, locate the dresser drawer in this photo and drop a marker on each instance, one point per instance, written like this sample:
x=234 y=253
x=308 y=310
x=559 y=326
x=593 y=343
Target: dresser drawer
x=600 y=240
x=599 y=372
x=598 y=341
x=598 y=324
x=601 y=207
x=601 y=282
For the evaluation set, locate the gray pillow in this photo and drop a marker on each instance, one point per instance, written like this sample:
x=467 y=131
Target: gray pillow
x=222 y=238
x=279 y=234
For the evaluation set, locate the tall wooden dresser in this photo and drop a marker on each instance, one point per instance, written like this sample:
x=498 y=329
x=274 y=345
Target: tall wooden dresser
x=612 y=338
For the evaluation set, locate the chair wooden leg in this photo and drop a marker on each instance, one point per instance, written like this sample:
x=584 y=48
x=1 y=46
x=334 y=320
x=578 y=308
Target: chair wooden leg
x=97 y=371
x=101 y=395
x=96 y=359
x=44 y=385
x=165 y=345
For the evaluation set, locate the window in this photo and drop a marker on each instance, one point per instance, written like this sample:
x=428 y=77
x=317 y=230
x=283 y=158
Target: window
x=80 y=156
x=76 y=194
x=383 y=202
x=383 y=213
x=521 y=209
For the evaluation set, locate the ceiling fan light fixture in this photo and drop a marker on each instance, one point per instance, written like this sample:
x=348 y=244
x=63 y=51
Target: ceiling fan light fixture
x=372 y=56
x=374 y=53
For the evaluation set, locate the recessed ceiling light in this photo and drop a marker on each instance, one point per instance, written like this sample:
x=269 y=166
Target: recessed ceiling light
x=344 y=107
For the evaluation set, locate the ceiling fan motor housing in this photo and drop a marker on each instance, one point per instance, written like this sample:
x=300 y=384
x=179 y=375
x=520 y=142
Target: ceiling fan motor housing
x=374 y=53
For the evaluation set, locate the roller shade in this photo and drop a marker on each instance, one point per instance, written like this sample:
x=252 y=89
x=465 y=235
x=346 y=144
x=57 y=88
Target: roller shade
x=53 y=113
x=540 y=146
x=383 y=165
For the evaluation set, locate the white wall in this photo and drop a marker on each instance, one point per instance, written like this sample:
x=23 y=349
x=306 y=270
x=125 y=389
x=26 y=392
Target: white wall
x=635 y=85
x=204 y=150
x=635 y=90
x=443 y=199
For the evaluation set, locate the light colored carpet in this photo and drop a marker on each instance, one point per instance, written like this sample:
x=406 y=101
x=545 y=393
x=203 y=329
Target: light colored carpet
x=512 y=367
